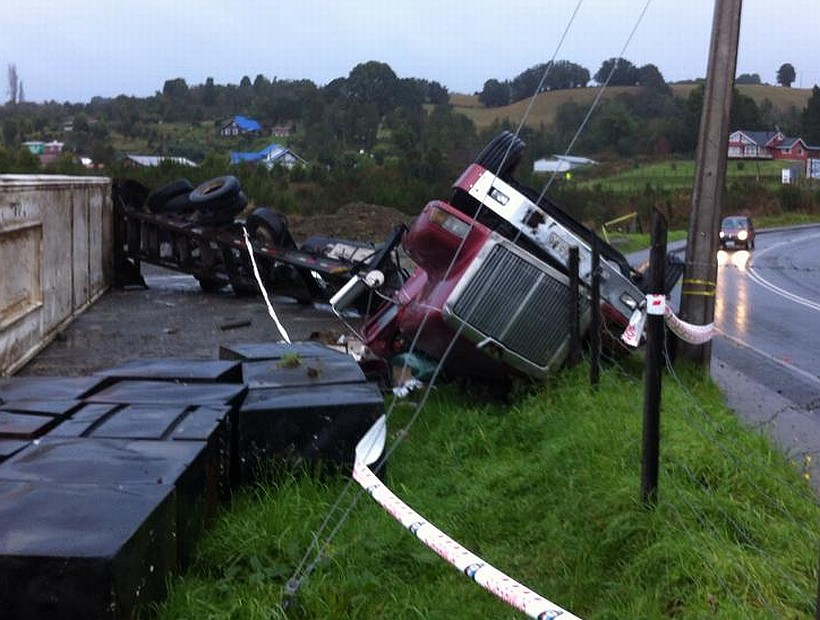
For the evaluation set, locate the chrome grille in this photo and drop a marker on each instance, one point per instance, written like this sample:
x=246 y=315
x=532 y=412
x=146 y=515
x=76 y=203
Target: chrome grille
x=521 y=304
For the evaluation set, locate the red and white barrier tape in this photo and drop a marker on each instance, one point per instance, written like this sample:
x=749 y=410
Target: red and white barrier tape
x=657 y=305
x=487 y=576
x=688 y=332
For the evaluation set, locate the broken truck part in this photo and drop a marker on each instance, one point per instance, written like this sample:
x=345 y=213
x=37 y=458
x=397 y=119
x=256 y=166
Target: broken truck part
x=492 y=277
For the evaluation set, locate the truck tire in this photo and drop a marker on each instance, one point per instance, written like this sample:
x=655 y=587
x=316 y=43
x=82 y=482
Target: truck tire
x=178 y=205
x=157 y=199
x=266 y=225
x=502 y=154
x=218 y=190
x=220 y=213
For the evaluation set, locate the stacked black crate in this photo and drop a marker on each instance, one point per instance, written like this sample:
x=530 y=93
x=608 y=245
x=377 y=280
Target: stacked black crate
x=107 y=481
x=109 y=493
x=307 y=407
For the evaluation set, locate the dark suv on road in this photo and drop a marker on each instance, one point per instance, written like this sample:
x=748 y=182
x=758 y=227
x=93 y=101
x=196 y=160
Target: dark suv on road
x=737 y=231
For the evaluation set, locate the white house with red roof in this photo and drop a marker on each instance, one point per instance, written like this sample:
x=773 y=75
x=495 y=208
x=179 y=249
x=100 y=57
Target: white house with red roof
x=745 y=144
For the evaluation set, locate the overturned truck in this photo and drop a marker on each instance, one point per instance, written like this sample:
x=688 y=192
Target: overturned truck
x=490 y=296
x=491 y=293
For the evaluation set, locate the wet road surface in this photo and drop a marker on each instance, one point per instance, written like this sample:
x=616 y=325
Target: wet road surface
x=767 y=358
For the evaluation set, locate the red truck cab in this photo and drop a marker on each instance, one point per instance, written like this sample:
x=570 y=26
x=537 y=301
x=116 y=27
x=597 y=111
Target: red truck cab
x=490 y=295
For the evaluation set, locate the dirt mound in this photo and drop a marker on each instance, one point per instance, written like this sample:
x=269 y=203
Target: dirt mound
x=357 y=221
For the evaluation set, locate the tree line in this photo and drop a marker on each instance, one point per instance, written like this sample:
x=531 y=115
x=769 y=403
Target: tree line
x=562 y=75
x=375 y=137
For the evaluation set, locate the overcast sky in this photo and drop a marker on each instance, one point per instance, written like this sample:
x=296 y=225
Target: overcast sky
x=72 y=50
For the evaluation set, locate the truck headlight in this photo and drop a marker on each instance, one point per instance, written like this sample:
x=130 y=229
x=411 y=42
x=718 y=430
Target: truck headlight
x=450 y=223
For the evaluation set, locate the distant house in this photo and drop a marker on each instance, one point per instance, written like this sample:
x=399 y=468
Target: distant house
x=281 y=131
x=155 y=160
x=47 y=152
x=240 y=125
x=270 y=156
x=561 y=163
x=766 y=145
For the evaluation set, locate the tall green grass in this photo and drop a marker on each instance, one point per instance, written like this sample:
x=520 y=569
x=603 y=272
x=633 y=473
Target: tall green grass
x=545 y=487
x=680 y=174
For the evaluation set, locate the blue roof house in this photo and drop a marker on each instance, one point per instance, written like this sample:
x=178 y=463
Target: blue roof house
x=270 y=156
x=240 y=125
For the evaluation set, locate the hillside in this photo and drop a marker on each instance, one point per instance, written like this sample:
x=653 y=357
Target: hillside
x=543 y=110
x=781 y=98
x=546 y=104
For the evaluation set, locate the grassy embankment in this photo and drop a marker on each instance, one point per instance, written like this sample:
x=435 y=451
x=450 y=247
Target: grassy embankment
x=678 y=175
x=546 y=489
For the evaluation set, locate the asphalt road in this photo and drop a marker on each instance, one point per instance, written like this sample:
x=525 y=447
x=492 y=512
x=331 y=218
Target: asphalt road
x=767 y=356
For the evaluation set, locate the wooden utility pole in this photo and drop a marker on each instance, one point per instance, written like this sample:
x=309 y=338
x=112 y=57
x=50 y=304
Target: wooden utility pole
x=700 y=277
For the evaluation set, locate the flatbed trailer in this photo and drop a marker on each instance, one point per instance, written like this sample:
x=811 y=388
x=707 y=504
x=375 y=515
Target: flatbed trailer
x=218 y=256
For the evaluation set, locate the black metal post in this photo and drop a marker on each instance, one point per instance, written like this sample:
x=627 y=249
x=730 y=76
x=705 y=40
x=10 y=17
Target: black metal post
x=817 y=600
x=654 y=362
x=595 y=325
x=573 y=308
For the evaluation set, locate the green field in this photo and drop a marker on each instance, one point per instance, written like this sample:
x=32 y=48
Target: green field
x=679 y=175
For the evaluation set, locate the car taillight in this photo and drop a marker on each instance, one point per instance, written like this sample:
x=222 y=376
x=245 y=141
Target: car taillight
x=448 y=222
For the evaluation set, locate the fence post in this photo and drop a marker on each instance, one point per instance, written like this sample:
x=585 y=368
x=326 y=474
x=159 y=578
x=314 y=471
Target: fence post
x=817 y=600
x=574 y=309
x=653 y=365
x=595 y=325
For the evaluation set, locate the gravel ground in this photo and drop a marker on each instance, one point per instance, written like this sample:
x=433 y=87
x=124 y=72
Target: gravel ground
x=174 y=319
x=359 y=221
